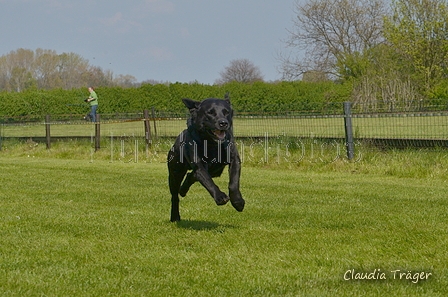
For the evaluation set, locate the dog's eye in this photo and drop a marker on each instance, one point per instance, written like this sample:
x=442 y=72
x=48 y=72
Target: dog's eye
x=225 y=112
x=212 y=112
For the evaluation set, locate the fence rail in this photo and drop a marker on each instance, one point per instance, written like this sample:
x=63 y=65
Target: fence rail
x=401 y=128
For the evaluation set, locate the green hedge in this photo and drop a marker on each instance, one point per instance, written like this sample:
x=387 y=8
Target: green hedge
x=256 y=97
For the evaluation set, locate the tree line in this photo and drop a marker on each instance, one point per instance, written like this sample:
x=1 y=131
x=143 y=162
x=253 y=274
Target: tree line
x=43 y=69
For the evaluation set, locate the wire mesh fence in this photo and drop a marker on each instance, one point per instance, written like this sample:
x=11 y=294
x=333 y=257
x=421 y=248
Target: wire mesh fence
x=418 y=126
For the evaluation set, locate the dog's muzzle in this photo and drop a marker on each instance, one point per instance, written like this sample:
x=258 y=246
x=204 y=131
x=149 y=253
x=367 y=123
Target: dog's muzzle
x=220 y=134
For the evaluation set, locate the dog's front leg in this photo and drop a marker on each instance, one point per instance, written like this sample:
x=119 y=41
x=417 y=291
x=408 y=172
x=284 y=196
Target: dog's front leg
x=201 y=174
x=234 y=182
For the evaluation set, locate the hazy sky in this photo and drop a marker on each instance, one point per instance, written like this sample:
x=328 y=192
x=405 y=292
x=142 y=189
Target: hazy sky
x=163 y=40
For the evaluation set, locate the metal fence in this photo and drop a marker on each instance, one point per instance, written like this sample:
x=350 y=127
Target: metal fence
x=400 y=128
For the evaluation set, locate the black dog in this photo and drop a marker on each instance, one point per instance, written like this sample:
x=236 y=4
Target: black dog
x=205 y=147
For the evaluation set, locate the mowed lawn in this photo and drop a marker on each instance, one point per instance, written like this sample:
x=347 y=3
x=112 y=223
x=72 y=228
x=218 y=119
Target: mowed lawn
x=80 y=228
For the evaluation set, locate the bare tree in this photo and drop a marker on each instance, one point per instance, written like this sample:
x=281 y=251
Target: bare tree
x=18 y=69
x=125 y=81
x=327 y=33
x=71 y=68
x=44 y=69
x=241 y=70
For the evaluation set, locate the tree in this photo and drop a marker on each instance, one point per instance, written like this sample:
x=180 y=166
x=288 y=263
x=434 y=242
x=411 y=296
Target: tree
x=417 y=31
x=21 y=79
x=125 y=81
x=18 y=68
x=333 y=35
x=44 y=69
x=95 y=76
x=241 y=70
x=71 y=68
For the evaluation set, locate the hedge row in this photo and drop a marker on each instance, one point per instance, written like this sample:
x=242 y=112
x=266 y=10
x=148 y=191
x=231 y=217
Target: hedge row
x=256 y=97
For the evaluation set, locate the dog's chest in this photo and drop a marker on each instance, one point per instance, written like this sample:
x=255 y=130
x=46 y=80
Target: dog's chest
x=212 y=152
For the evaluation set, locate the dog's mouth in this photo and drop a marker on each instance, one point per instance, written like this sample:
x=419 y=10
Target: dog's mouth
x=219 y=134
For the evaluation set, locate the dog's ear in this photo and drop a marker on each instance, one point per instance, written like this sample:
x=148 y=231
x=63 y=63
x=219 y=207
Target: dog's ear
x=191 y=104
x=227 y=97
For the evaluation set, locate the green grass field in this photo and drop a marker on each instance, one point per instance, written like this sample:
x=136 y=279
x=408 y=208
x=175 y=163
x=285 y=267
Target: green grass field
x=76 y=224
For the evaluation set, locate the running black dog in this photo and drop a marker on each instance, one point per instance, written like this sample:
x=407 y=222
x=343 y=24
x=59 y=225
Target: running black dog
x=205 y=147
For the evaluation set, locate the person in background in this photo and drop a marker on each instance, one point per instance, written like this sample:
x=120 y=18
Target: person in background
x=93 y=101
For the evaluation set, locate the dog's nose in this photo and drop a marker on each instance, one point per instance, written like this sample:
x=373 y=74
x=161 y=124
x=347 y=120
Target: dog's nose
x=223 y=124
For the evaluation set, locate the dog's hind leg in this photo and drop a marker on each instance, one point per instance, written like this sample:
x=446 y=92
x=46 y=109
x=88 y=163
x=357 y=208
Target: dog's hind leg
x=189 y=180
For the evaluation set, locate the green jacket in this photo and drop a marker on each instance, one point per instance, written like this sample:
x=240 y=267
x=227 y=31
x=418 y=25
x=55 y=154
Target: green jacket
x=94 y=96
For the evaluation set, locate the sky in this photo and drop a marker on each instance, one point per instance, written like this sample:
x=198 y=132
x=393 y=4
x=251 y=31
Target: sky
x=161 y=40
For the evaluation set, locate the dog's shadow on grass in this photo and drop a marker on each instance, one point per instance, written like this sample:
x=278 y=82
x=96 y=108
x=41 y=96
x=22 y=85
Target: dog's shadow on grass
x=203 y=225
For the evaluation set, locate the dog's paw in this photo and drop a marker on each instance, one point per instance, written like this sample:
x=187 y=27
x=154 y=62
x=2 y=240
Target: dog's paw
x=237 y=200
x=239 y=204
x=183 y=191
x=222 y=199
x=175 y=219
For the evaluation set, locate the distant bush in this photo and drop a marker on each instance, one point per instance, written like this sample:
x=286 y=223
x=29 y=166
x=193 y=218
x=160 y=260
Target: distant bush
x=255 y=97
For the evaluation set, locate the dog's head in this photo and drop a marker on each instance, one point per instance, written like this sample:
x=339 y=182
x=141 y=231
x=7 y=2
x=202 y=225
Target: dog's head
x=211 y=117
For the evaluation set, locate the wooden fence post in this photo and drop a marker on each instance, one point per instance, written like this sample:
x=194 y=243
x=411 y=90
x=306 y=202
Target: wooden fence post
x=349 y=143
x=154 y=121
x=97 y=132
x=147 y=128
x=1 y=135
x=47 y=131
